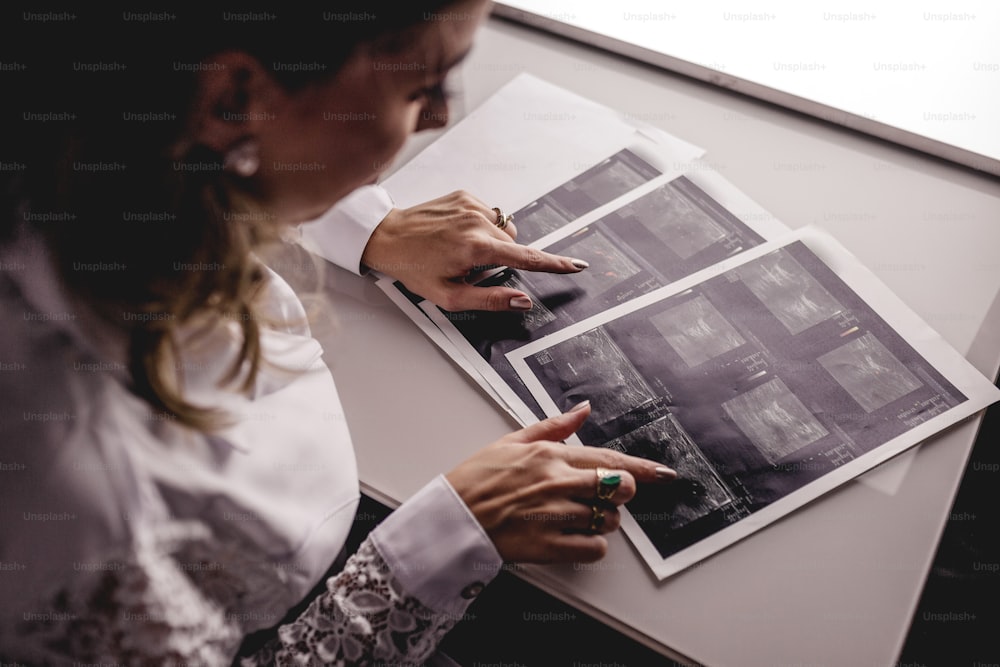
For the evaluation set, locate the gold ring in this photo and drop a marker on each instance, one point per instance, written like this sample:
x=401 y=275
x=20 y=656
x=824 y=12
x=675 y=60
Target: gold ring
x=596 y=519
x=502 y=220
x=607 y=483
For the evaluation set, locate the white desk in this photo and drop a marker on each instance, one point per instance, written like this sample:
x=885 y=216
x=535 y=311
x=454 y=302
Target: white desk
x=834 y=584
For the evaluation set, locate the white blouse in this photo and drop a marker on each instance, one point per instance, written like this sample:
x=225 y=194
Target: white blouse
x=127 y=538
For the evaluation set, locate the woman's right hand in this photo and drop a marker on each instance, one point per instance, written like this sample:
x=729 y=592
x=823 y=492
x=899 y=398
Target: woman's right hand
x=536 y=497
x=433 y=247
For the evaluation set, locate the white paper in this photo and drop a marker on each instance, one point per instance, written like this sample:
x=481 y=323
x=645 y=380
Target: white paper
x=526 y=139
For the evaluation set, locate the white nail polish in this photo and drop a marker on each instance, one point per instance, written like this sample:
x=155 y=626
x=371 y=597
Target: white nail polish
x=520 y=303
x=580 y=264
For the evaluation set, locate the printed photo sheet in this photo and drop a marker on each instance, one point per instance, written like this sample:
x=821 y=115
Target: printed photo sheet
x=518 y=145
x=639 y=229
x=765 y=380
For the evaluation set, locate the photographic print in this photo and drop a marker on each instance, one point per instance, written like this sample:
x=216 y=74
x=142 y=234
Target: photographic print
x=620 y=173
x=765 y=381
x=672 y=229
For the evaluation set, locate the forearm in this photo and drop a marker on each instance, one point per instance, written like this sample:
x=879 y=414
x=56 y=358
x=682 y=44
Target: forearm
x=396 y=598
x=364 y=617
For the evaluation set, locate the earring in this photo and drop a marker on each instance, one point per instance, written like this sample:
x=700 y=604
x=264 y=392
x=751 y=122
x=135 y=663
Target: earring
x=244 y=159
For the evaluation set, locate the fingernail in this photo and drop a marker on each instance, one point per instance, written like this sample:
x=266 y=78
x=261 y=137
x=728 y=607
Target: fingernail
x=520 y=303
x=664 y=474
x=579 y=406
x=580 y=264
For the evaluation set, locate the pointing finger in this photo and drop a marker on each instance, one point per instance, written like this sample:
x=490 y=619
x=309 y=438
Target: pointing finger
x=522 y=257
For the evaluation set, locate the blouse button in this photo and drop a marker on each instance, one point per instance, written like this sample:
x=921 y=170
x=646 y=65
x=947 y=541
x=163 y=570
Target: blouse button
x=472 y=590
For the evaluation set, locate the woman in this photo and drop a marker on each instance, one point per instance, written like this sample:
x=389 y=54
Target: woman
x=176 y=475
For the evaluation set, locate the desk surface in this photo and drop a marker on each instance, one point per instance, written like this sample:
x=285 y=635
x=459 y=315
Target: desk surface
x=834 y=583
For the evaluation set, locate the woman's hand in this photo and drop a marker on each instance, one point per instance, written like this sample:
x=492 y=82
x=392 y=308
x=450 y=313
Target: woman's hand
x=433 y=247
x=537 y=498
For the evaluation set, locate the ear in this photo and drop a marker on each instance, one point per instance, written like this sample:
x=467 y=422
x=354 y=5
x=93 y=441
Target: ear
x=234 y=94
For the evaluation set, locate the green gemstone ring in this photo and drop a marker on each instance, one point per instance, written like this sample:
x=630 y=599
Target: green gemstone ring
x=607 y=483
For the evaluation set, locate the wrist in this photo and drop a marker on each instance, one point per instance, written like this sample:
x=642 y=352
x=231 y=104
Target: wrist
x=374 y=254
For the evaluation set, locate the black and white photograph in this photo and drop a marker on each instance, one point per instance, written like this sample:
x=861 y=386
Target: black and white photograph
x=524 y=333
x=608 y=180
x=672 y=230
x=757 y=384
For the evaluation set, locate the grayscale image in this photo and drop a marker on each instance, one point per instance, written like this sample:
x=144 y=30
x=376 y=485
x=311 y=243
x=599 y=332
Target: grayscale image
x=709 y=382
x=869 y=372
x=698 y=489
x=671 y=216
x=789 y=291
x=607 y=180
x=613 y=179
x=539 y=315
x=539 y=219
x=697 y=331
x=609 y=266
x=593 y=363
x=774 y=419
x=626 y=260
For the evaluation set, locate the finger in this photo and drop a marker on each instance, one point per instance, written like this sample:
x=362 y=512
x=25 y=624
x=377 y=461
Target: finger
x=519 y=256
x=567 y=515
x=506 y=234
x=596 y=519
x=574 y=547
x=643 y=470
x=587 y=487
x=462 y=296
x=555 y=428
x=503 y=222
x=510 y=229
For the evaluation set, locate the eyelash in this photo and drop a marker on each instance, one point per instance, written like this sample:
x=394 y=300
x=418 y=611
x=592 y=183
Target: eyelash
x=440 y=91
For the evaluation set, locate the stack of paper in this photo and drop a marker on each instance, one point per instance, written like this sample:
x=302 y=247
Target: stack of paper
x=766 y=366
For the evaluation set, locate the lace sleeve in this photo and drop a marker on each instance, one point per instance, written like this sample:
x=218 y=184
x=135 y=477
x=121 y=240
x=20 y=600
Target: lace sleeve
x=144 y=609
x=362 y=619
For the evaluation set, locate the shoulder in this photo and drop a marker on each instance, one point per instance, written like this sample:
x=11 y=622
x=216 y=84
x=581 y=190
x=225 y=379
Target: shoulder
x=63 y=480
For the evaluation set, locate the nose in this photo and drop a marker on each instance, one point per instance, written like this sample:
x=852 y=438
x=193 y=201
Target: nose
x=433 y=115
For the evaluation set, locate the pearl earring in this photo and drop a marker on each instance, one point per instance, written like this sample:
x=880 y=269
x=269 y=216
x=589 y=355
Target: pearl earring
x=243 y=160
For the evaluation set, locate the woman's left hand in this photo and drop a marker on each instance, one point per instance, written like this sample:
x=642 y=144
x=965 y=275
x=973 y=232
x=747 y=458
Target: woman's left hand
x=433 y=247
x=541 y=501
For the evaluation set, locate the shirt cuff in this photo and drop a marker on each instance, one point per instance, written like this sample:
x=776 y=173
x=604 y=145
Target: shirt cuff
x=436 y=549
x=341 y=234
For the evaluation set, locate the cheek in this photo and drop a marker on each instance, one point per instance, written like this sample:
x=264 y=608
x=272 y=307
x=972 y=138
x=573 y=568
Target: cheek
x=394 y=126
x=375 y=118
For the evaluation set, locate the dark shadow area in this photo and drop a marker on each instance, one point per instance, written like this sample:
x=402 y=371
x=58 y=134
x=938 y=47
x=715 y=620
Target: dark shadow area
x=957 y=623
